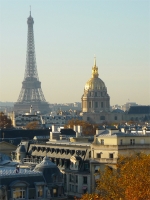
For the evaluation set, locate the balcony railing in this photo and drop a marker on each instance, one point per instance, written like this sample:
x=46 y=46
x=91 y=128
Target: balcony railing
x=106 y=160
x=32 y=160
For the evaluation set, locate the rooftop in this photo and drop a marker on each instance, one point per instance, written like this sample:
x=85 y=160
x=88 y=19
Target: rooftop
x=7 y=172
x=67 y=142
x=108 y=133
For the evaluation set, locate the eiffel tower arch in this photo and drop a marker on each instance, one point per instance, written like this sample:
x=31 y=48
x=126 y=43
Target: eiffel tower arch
x=31 y=91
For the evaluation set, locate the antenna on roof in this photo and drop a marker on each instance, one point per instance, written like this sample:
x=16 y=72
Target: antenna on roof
x=30 y=10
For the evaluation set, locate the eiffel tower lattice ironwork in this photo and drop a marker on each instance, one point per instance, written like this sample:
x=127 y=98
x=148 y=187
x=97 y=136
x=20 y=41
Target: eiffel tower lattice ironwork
x=31 y=92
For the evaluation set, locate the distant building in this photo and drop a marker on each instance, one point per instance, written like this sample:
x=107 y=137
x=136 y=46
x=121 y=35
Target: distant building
x=96 y=104
x=59 y=120
x=127 y=106
x=96 y=101
x=138 y=114
x=21 y=120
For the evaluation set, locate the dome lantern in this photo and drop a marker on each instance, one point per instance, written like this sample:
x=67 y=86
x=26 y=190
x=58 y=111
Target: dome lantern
x=95 y=83
x=95 y=70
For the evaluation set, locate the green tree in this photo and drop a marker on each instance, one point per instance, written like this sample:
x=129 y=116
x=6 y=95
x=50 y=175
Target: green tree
x=5 y=122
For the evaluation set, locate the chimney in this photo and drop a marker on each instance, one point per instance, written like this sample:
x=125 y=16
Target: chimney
x=144 y=131
x=123 y=130
x=99 y=131
x=75 y=128
x=111 y=131
x=79 y=129
x=54 y=128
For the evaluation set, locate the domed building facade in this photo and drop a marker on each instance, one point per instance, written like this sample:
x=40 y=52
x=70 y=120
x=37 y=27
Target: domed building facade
x=96 y=101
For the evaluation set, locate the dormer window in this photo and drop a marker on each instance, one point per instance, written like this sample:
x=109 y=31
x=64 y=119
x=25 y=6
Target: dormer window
x=76 y=165
x=19 y=193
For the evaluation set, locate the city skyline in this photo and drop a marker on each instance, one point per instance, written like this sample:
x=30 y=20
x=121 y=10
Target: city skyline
x=67 y=35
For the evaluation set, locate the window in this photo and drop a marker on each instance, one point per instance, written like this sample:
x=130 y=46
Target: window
x=121 y=141
x=84 y=179
x=111 y=155
x=19 y=193
x=89 y=104
x=96 y=104
x=54 y=177
x=54 y=192
x=98 y=155
x=132 y=141
x=90 y=154
x=76 y=188
x=102 y=141
x=102 y=104
x=115 y=117
x=76 y=165
x=76 y=178
x=102 y=117
x=95 y=94
x=86 y=166
x=70 y=177
x=72 y=188
x=40 y=191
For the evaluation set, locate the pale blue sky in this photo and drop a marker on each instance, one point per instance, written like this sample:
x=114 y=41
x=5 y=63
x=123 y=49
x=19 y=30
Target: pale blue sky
x=67 y=35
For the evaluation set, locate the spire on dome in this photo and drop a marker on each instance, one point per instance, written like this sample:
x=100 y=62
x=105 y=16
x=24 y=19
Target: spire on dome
x=95 y=69
x=95 y=61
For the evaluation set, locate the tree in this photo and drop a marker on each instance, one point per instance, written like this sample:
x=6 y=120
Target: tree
x=32 y=125
x=87 y=128
x=5 y=122
x=130 y=181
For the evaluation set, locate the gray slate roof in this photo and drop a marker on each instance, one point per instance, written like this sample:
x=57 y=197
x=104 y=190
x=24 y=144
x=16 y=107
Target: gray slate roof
x=107 y=133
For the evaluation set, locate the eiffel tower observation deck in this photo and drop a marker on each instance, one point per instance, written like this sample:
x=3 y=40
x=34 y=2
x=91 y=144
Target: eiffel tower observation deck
x=31 y=92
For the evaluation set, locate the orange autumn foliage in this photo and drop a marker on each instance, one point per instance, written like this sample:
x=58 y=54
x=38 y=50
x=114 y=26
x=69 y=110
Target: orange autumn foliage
x=87 y=128
x=32 y=125
x=5 y=122
x=130 y=181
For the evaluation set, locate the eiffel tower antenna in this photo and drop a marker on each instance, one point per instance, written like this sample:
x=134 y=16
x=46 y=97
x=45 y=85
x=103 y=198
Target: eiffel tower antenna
x=31 y=92
x=30 y=10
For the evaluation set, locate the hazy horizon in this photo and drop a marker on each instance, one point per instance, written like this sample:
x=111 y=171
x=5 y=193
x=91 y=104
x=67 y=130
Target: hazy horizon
x=67 y=35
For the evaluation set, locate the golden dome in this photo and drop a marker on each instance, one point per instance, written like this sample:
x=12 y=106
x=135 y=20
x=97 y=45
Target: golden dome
x=95 y=83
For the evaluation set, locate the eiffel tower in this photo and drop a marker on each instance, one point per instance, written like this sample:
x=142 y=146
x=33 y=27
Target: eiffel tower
x=31 y=92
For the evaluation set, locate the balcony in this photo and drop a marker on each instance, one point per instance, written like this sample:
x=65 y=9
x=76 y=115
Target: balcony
x=106 y=160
